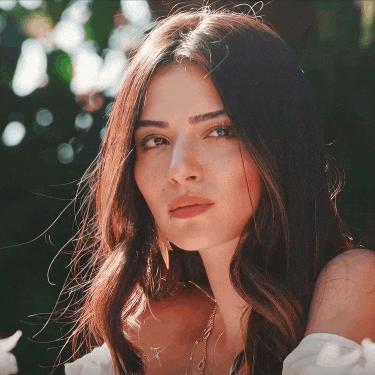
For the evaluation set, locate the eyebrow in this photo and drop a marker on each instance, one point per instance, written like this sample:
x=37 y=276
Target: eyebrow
x=193 y=120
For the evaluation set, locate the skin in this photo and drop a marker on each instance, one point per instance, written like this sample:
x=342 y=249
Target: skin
x=195 y=159
x=344 y=300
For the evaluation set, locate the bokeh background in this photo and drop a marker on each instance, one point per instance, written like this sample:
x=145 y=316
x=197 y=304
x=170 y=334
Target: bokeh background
x=61 y=63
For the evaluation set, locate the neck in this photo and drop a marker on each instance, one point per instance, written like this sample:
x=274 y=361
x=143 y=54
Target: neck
x=230 y=305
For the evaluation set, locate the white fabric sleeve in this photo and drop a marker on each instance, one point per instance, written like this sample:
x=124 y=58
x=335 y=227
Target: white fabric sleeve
x=328 y=354
x=98 y=362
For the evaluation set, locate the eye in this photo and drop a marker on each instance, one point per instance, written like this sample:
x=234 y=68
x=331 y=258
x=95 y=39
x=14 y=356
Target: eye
x=152 y=141
x=223 y=131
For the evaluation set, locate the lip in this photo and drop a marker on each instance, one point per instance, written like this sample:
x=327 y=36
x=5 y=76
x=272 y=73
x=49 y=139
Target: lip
x=188 y=200
x=190 y=211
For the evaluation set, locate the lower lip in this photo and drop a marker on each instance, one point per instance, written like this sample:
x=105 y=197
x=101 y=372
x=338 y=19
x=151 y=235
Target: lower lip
x=190 y=211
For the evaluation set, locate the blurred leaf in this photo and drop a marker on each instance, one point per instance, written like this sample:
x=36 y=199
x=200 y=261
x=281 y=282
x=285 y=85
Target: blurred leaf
x=89 y=31
x=18 y=13
x=6 y=70
x=55 y=10
x=102 y=15
x=62 y=66
x=329 y=6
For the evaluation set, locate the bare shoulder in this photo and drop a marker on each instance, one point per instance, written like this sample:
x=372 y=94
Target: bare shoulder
x=355 y=265
x=357 y=254
x=344 y=298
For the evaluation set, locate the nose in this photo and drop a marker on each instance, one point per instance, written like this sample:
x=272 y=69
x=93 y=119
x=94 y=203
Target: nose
x=185 y=165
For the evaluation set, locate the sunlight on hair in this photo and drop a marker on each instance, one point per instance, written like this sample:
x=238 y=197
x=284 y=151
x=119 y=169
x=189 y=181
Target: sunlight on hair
x=137 y=12
x=31 y=70
x=44 y=117
x=109 y=109
x=7 y=5
x=13 y=134
x=31 y=4
x=253 y=10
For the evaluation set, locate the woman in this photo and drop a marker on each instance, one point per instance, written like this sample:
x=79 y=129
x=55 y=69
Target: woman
x=212 y=212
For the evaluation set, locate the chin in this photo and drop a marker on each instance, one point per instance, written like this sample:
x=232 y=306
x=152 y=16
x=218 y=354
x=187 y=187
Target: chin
x=197 y=244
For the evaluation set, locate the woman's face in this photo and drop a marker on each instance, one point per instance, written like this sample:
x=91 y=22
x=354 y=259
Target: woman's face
x=186 y=147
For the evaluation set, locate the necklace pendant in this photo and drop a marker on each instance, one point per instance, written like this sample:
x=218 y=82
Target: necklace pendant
x=207 y=333
x=202 y=364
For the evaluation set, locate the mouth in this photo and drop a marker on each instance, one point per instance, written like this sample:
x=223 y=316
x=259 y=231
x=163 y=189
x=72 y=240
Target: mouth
x=190 y=211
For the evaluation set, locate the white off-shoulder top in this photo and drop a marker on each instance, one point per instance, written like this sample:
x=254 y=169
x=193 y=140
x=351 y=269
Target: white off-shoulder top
x=317 y=354
x=328 y=354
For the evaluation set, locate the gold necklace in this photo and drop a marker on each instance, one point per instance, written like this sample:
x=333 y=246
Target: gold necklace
x=206 y=334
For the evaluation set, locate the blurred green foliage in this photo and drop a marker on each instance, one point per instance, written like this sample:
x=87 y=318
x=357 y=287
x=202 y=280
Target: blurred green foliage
x=60 y=63
x=102 y=21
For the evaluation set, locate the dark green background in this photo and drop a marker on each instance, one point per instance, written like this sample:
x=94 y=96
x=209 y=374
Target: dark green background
x=35 y=187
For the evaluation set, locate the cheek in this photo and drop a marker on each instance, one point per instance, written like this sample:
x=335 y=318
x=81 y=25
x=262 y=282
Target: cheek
x=142 y=176
x=253 y=178
x=251 y=183
x=146 y=178
x=243 y=183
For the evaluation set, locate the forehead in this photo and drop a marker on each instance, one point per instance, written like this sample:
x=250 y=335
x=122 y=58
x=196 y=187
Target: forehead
x=180 y=89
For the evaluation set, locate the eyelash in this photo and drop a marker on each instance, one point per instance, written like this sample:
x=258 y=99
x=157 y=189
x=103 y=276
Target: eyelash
x=152 y=136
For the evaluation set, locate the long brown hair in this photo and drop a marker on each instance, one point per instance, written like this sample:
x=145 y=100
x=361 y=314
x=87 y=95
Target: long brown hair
x=296 y=230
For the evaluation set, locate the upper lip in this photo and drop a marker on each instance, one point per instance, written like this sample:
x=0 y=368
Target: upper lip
x=188 y=200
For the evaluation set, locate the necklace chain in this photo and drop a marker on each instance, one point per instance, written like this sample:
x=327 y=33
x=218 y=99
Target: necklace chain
x=206 y=334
